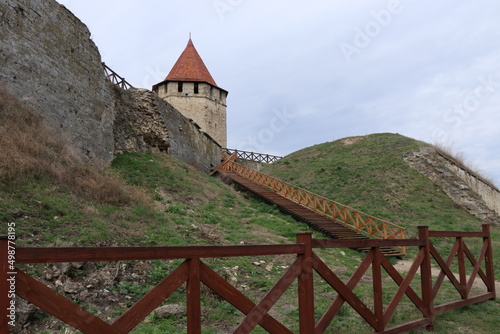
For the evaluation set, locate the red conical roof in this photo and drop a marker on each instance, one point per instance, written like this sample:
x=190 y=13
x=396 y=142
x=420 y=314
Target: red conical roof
x=190 y=67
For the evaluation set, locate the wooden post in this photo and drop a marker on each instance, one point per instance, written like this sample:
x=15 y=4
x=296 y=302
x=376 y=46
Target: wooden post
x=426 y=275
x=193 y=298
x=4 y=297
x=306 y=286
x=461 y=268
x=490 y=273
x=378 y=304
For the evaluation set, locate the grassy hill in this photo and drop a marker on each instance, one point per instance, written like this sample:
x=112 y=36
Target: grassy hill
x=147 y=199
x=370 y=174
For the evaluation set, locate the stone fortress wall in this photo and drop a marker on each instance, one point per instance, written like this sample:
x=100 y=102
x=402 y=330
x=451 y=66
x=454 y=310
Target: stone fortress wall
x=50 y=63
x=489 y=193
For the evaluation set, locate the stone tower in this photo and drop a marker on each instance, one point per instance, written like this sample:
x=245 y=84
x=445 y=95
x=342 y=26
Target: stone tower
x=190 y=88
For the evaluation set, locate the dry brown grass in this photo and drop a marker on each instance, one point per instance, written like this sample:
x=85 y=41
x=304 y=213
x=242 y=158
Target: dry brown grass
x=28 y=150
x=459 y=158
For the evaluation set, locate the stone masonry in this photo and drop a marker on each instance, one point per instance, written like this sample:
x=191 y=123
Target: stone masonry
x=50 y=63
x=145 y=122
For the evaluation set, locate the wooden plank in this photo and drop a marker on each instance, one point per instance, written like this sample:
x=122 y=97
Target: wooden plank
x=319 y=207
x=346 y=293
x=426 y=275
x=306 y=285
x=50 y=301
x=473 y=261
x=237 y=299
x=193 y=296
x=442 y=264
x=255 y=316
x=445 y=270
x=476 y=264
x=406 y=327
x=490 y=273
x=334 y=308
x=95 y=254
x=464 y=302
x=461 y=267
x=144 y=306
x=404 y=287
x=378 y=303
x=456 y=234
x=336 y=243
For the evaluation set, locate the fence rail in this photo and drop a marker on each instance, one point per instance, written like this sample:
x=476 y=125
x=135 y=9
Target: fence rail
x=193 y=272
x=115 y=78
x=362 y=222
x=252 y=156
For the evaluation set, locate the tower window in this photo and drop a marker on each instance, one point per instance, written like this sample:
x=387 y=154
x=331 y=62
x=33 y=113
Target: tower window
x=179 y=87
x=196 y=88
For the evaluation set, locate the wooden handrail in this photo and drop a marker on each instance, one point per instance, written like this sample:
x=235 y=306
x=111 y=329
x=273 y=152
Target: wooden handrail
x=252 y=156
x=364 y=223
x=115 y=78
x=193 y=272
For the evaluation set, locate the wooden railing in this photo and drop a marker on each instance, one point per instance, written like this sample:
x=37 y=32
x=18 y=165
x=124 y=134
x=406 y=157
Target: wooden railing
x=193 y=272
x=252 y=156
x=362 y=222
x=115 y=78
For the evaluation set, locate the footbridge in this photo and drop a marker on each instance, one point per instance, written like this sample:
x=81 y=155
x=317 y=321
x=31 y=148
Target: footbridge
x=335 y=220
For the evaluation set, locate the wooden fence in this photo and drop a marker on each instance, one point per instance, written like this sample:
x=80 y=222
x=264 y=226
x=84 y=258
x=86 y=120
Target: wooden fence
x=364 y=223
x=115 y=78
x=252 y=156
x=194 y=272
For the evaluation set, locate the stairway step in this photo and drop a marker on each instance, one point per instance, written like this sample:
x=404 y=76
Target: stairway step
x=317 y=221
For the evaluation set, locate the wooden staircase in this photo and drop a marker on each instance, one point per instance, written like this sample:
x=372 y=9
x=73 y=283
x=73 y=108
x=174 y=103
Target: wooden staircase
x=326 y=226
x=231 y=172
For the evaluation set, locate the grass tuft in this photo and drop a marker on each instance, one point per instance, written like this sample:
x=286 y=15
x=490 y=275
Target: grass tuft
x=31 y=151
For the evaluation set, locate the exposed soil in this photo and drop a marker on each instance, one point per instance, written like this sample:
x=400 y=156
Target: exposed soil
x=404 y=266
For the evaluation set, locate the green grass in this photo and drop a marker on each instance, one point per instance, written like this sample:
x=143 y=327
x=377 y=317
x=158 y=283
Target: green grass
x=371 y=175
x=177 y=206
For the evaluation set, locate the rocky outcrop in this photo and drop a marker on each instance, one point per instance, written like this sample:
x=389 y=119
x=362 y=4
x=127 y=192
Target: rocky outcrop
x=101 y=288
x=443 y=172
x=144 y=122
x=50 y=63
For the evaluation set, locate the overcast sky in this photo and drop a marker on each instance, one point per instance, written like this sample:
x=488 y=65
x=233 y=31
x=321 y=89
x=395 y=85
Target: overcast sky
x=301 y=73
